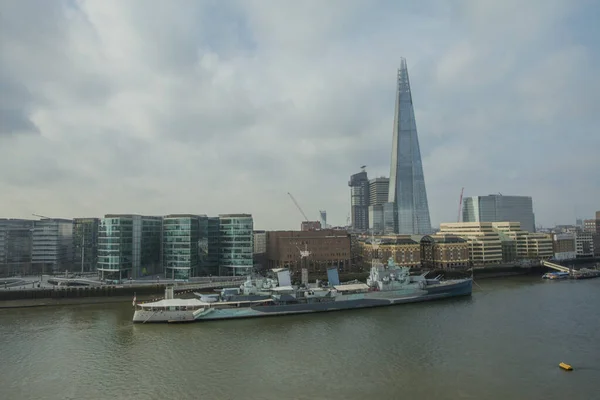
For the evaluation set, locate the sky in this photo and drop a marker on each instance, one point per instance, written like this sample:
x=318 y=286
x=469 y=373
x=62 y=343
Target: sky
x=224 y=106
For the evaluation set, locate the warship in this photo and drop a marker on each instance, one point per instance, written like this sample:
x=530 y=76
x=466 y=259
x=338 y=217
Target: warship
x=387 y=284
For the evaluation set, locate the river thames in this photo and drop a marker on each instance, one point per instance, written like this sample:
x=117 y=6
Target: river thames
x=504 y=342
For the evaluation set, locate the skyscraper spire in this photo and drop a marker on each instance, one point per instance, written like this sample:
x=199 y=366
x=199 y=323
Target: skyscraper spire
x=407 y=182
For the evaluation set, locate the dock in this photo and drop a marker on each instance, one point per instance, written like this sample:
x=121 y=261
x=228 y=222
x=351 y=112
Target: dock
x=583 y=273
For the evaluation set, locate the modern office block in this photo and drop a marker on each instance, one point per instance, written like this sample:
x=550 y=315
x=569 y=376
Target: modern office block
x=500 y=208
x=129 y=246
x=236 y=246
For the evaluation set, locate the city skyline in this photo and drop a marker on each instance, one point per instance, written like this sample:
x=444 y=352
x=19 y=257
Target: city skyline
x=95 y=120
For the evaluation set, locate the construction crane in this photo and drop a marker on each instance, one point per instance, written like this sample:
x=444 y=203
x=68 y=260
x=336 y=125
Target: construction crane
x=460 y=204
x=41 y=216
x=298 y=205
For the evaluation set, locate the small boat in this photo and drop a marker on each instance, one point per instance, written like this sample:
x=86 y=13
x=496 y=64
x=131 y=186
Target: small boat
x=556 y=275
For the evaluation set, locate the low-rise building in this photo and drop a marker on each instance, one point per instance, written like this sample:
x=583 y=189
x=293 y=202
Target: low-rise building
x=444 y=252
x=564 y=246
x=584 y=244
x=529 y=246
x=325 y=248
x=403 y=249
x=485 y=246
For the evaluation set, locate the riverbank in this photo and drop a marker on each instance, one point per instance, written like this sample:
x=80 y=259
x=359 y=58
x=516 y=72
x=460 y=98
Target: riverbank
x=66 y=301
x=112 y=294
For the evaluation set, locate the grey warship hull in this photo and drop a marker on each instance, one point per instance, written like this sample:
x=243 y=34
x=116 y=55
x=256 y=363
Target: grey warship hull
x=342 y=302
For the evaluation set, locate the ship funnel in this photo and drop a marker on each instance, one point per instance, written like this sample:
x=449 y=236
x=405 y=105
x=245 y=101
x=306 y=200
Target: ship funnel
x=283 y=276
x=333 y=276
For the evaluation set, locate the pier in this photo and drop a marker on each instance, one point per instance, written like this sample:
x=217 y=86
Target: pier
x=583 y=273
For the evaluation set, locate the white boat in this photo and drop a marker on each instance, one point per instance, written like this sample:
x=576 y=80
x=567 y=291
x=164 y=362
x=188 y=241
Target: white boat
x=169 y=309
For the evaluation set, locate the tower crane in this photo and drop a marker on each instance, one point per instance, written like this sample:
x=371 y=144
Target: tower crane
x=41 y=216
x=298 y=206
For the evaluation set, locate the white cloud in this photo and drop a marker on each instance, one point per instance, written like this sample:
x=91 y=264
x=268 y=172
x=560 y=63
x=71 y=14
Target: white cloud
x=212 y=107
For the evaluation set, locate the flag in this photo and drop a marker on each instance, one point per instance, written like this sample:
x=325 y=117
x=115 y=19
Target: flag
x=133 y=303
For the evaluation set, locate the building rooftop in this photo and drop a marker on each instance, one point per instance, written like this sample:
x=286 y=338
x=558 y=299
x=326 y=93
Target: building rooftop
x=185 y=216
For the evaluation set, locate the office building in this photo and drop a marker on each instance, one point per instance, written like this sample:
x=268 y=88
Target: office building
x=129 y=246
x=485 y=246
x=376 y=220
x=584 y=244
x=85 y=244
x=323 y=218
x=500 y=208
x=15 y=246
x=378 y=196
x=183 y=243
x=236 y=244
x=407 y=181
x=52 y=245
x=564 y=246
x=260 y=242
x=260 y=250
x=379 y=190
x=359 y=201
x=209 y=262
x=529 y=245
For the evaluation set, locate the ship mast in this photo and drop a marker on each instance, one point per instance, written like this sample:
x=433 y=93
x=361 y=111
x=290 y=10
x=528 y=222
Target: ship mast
x=375 y=256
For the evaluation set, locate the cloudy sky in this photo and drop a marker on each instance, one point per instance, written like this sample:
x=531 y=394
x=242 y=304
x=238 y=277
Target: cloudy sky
x=158 y=106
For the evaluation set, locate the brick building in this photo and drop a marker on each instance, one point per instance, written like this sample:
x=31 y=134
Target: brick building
x=328 y=248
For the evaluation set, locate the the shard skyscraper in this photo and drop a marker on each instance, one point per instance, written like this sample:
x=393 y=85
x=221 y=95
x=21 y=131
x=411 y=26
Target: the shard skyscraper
x=407 y=196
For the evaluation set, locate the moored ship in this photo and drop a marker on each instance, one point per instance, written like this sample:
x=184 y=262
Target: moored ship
x=259 y=297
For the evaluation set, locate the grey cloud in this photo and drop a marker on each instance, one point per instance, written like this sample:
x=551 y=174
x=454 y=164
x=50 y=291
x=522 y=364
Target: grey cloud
x=225 y=106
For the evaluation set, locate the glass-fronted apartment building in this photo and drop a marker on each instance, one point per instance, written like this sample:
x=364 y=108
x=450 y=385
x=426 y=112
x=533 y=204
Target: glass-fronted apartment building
x=236 y=244
x=85 y=244
x=129 y=246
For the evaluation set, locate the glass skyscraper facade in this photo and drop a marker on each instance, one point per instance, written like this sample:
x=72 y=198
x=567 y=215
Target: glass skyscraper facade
x=129 y=246
x=407 y=181
x=15 y=246
x=85 y=243
x=500 y=208
x=182 y=243
x=236 y=244
x=52 y=245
